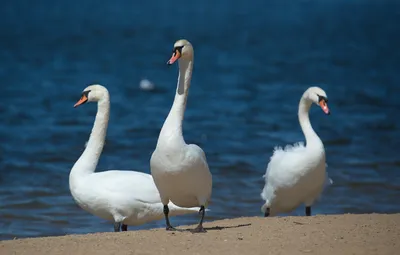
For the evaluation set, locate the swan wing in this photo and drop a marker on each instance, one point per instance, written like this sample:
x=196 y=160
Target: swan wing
x=126 y=184
x=283 y=171
x=284 y=161
x=197 y=161
x=196 y=156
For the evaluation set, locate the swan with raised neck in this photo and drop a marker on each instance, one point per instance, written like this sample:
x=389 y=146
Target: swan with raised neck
x=180 y=170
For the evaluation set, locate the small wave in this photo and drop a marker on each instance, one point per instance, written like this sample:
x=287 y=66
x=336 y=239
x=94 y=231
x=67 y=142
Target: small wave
x=31 y=204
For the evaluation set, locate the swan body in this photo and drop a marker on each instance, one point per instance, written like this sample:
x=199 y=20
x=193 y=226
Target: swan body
x=123 y=197
x=180 y=170
x=297 y=174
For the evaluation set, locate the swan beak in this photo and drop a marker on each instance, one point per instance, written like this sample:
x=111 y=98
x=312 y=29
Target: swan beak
x=175 y=56
x=324 y=107
x=81 y=101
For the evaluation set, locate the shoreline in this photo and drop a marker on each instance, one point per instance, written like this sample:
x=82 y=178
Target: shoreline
x=321 y=234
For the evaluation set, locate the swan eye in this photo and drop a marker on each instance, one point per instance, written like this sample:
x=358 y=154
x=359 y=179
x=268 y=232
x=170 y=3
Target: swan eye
x=177 y=50
x=84 y=98
x=176 y=54
x=322 y=101
x=86 y=93
x=322 y=98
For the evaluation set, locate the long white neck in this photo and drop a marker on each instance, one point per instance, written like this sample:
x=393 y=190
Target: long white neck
x=312 y=139
x=173 y=124
x=87 y=162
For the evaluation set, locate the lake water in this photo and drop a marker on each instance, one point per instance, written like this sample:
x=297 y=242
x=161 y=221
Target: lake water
x=252 y=64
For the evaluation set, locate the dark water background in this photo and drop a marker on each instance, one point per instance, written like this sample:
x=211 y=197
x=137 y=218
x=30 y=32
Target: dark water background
x=253 y=60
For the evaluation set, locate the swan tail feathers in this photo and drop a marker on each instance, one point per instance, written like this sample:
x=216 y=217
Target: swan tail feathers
x=176 y=210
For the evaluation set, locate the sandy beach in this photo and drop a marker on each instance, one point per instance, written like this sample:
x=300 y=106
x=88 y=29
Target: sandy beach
x=333 y=234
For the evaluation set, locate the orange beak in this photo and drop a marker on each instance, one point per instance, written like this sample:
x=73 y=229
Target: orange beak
x=175 y=56
x=324 y=107
x=81 y=101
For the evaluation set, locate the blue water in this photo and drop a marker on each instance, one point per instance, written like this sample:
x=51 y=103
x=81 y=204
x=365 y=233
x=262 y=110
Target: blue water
x=252 y=63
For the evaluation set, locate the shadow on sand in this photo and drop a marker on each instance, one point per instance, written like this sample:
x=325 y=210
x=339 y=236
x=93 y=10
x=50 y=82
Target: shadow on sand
x=218 y=227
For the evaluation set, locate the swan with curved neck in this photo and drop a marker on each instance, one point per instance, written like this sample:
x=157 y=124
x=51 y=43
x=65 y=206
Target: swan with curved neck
x=123 y=197
x=297 y=174
x=180 y=170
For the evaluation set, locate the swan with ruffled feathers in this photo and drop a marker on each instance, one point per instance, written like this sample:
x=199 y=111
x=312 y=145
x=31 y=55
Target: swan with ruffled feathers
x=180 y=170
x=297 y=174
x=123 y=197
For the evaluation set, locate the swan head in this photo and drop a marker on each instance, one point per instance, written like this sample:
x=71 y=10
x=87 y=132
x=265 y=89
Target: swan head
x=319 y=97
x=183 y=49
x=92 y=93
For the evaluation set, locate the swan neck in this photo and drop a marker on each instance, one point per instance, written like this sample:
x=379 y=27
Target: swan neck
x=173 y=123
x=87 y=162
x=184 y=77
x=311 y=137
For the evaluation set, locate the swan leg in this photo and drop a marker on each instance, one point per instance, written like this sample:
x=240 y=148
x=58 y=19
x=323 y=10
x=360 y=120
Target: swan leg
x=308 y=210
x=124 y=227
x=266 y=214
x=168 y=227
x=117 y=226
x=199 y=228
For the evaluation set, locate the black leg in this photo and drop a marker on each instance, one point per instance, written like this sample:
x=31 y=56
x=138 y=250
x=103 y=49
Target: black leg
x=266 y=214
x=199 y=228
x=124 y=227
x=166 y=211
x=117 y=226
x=308 y=210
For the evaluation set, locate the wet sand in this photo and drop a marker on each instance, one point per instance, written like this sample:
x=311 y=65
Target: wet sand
x=364 y=234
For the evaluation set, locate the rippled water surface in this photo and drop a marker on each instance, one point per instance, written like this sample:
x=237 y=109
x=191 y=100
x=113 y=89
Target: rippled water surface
x=252 y=63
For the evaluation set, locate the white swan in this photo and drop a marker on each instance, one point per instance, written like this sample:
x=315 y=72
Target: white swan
x=123 y=197
x=296 y=175
x=180 y=170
